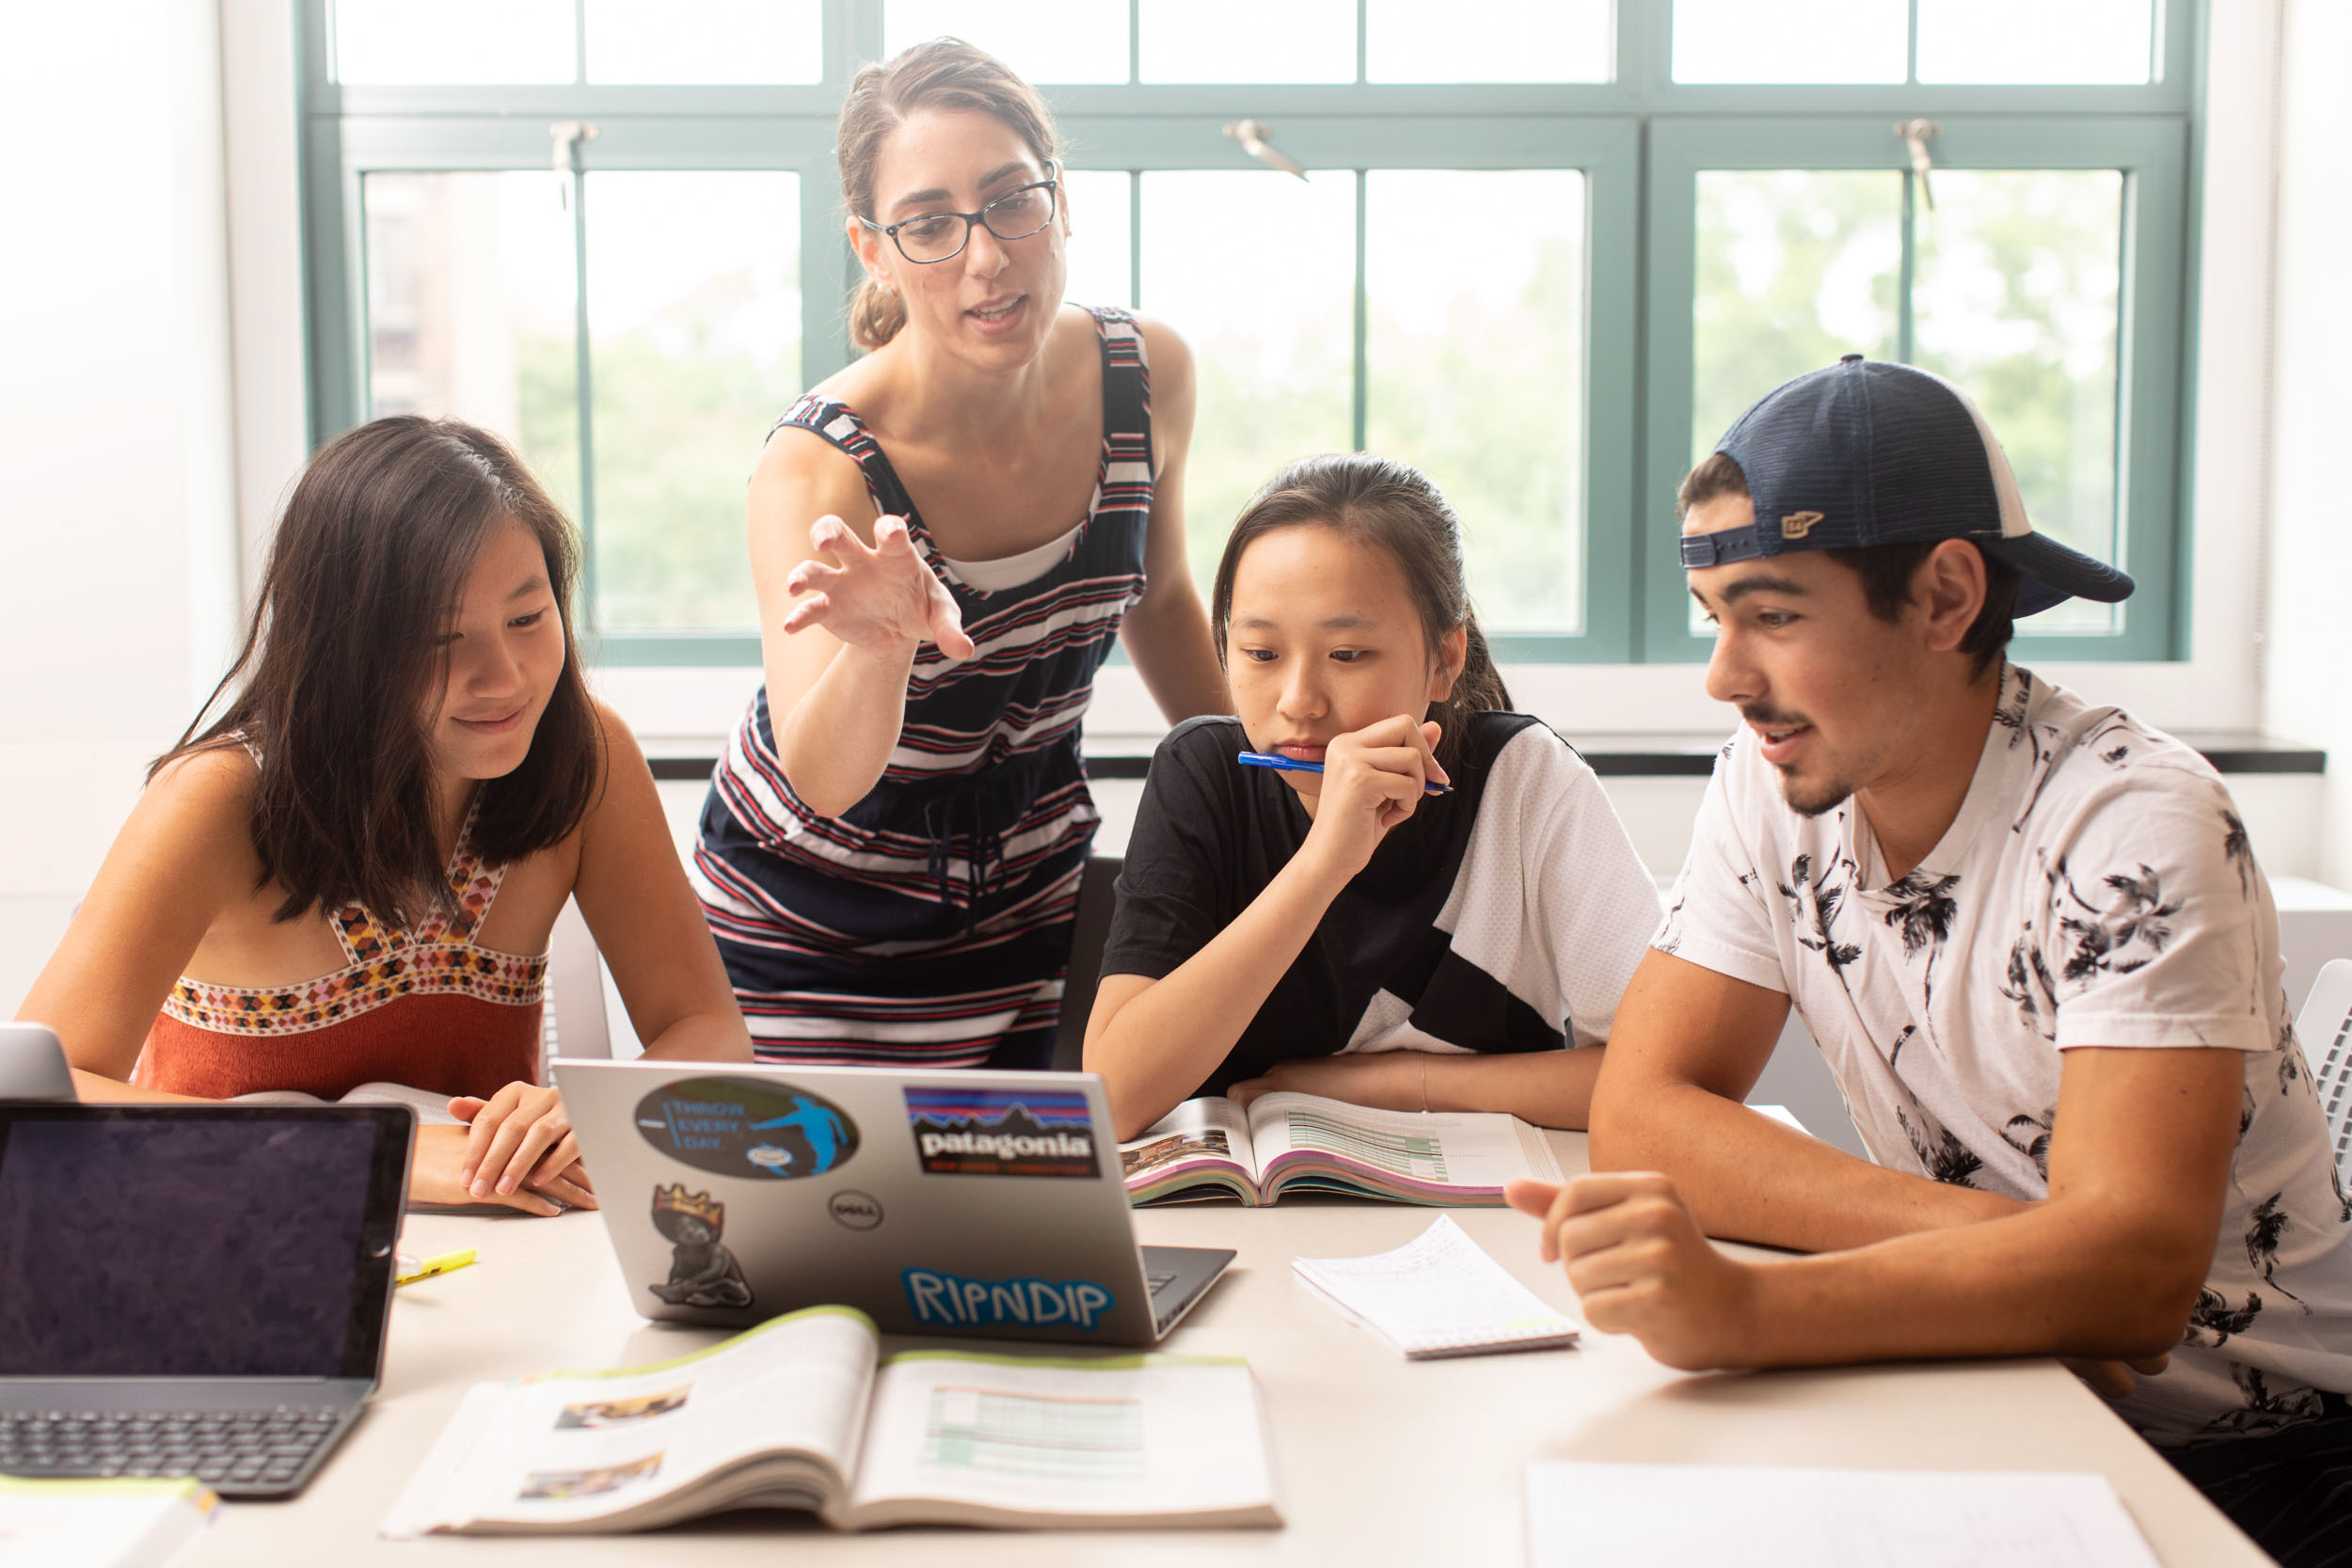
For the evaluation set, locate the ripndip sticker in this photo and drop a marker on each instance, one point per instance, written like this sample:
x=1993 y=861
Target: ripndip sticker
x=953 y=1302
x=738 y=1127
x=1001 y=1132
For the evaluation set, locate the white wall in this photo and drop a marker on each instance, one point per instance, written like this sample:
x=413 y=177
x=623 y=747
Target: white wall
x=118 y=564
x=2309 y=653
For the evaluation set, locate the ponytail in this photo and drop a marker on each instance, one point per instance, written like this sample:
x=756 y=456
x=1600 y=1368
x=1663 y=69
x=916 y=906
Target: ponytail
x=875 y=315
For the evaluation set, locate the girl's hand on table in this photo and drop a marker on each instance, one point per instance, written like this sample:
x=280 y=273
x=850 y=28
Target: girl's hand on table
x=1392 y=1080
x=881 y=599
x=441 y=1153
x=520 y=1140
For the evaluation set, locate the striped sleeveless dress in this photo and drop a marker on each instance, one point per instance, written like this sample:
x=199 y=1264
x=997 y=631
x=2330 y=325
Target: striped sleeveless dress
x=929 y=924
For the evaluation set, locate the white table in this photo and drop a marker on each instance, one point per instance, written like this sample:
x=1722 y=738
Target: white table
x=1378 y=1461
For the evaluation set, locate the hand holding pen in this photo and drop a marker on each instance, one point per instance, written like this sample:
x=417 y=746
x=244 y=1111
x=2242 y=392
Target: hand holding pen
x=1371 y=780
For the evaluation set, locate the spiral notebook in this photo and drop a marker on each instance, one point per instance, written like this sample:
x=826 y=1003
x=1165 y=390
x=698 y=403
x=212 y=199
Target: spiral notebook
x=1438 y=1294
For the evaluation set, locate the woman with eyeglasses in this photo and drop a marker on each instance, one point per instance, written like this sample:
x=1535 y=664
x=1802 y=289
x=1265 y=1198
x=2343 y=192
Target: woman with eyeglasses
x=946 y=538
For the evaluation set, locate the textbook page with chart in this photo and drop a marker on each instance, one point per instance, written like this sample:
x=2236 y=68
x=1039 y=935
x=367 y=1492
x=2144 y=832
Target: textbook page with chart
x=803 y=1412
x=1211 y=1147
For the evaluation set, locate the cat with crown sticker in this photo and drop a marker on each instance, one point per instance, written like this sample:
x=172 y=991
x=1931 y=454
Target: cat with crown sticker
x=701 y=1272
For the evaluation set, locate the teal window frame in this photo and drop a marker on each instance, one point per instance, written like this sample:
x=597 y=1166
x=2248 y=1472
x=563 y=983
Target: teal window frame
x=1640 y=141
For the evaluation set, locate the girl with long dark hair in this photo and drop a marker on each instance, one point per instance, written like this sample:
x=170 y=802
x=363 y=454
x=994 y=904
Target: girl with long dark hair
x=350 y=873
x=1426 y=922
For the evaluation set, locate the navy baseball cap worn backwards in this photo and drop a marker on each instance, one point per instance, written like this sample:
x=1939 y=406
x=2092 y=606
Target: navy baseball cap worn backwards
x=1866 y=453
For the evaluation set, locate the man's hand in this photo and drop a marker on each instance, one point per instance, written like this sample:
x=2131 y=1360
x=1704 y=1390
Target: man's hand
x=1394 y=1080
x=1641 y=1265
x=519 y=1138
x=2114 y=1380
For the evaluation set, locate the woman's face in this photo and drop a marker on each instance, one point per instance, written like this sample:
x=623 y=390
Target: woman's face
x=994 y=301
x=1325 y=639
x=504 y=652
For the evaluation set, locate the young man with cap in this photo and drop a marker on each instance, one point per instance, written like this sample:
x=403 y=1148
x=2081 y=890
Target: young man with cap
x=2033 y=944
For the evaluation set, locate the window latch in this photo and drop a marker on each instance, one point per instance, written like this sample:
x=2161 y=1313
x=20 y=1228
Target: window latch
x=567 y=134
x=1252 y=134
x=1917 y=134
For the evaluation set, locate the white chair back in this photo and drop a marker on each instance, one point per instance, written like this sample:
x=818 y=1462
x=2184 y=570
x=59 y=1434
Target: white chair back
x=574 y=1022
x=2326 y=1032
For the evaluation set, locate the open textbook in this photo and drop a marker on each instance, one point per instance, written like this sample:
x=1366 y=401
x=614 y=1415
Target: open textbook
x=1305 y=1143
x=803 y=1412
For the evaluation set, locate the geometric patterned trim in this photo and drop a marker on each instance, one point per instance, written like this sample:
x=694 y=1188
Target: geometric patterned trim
x=438 y=958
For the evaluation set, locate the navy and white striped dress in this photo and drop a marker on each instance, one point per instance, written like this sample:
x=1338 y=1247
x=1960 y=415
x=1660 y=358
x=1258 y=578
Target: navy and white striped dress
x=930 y=923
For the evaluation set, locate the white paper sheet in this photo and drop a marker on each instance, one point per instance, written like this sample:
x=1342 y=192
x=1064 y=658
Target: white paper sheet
x=1706 y=1515
x=1438 y=1294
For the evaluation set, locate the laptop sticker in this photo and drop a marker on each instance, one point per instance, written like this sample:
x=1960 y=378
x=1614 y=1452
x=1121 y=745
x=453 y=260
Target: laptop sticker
x=701 y=1272
x=953 y=1302
x=853 y=1209
x=739 y=1127
x=1001 y=1132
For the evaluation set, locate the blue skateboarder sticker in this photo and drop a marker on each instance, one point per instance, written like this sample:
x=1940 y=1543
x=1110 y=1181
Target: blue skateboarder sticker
x=738 y=1127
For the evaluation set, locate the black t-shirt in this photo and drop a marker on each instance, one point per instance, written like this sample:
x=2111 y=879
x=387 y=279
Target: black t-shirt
x=1483 y=922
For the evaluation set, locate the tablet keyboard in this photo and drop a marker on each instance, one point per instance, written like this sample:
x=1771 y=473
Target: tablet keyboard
x=236 y=1453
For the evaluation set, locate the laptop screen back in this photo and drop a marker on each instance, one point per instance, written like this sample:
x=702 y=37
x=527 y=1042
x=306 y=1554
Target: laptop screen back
x=168 y=1242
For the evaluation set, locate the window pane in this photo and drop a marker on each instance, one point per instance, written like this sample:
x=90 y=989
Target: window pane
x=446 y=41
x=2015 y=300
x=1248 y=40
x=1258 y=272
x=1794 y=267
x=1102 y=237
x=699 y=41
x=1045 y=40
x=1792 y=40
x=694 y=316
x=1477 y=375
x=2082 y=40
x=1550 y=40
x=471 y=307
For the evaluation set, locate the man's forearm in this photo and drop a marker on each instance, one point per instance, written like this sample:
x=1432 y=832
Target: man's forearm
x=2051 y=1280
x=1749 y=1178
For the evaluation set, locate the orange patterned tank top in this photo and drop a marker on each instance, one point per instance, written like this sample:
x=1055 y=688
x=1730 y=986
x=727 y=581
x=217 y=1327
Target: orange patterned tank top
x=427 y=1007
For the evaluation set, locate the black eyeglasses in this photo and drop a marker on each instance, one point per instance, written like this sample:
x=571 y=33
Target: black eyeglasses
x=935 y=237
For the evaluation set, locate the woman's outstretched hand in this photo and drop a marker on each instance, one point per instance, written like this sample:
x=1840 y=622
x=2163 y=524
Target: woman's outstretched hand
x=882 y=599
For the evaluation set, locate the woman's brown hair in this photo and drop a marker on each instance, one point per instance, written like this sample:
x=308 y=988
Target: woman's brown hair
x=341 y=666
x=1392 y=505
x=944 y=73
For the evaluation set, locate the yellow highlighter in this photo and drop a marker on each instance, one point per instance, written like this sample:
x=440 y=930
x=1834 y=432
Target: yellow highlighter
x=411 y=1270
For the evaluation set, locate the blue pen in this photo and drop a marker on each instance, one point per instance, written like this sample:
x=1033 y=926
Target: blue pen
x=1292 y=765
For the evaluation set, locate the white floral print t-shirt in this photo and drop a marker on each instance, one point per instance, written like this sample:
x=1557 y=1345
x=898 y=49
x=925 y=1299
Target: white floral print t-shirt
x=2096 y=889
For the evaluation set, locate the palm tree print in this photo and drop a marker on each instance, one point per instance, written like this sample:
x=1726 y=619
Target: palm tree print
x=2263 y=1233
x=2238 y=850
x=1815 y=904
x=2212 y=1319
x=1922 y=912
x=2290 y=1059
x=1944 y=1157
x=1895 y=1052
x=2031 y=985
x=2265 y=1411
x=2030 y=1136
x=2103 y=935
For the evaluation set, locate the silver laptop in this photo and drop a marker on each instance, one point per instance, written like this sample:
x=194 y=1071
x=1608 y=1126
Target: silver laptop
x=973 y=1203
x=193 y=1290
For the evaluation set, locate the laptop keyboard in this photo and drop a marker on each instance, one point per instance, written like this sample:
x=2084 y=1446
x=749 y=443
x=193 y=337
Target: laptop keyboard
x=1155 y=1283
x=231 y=1451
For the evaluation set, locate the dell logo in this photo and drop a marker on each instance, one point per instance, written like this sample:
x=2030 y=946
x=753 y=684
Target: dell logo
x=854 y=1210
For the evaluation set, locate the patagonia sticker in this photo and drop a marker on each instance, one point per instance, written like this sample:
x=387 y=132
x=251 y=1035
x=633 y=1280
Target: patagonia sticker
x=738 y=1127
x=1002 y=1132
x=951 y=1301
